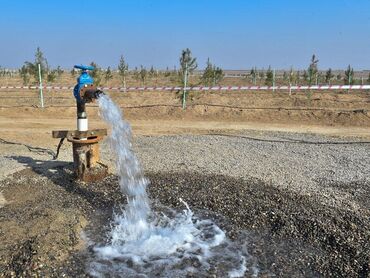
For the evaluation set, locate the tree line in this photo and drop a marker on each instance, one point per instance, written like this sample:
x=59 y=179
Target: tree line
x=212 y=75
x=311 y=76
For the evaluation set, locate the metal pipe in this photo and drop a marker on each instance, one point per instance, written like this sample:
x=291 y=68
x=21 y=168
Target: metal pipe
x=82 y=122
x=91 y=95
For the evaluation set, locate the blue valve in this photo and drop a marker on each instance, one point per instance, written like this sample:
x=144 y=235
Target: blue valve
x=83 y=67
x=82 y=80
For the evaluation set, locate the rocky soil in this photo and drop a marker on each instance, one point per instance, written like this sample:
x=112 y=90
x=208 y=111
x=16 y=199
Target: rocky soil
x=299 y=202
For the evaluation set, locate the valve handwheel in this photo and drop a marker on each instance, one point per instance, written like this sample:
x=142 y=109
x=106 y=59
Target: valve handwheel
x=83 y=67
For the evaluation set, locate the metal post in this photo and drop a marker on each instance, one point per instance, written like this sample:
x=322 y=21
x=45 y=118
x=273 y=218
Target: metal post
x=40 y=87
x=273 y=80
x=185 y=85
x=349 y=78
x=255 y=76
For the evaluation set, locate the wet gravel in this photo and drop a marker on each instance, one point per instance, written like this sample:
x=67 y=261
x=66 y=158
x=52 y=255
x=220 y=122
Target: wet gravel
x=287 y=234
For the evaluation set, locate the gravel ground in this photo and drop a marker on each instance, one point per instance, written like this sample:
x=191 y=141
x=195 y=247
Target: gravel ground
x=303 y=205
x=286 y=160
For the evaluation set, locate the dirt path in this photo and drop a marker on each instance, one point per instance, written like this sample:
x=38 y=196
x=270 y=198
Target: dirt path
x=38 y=130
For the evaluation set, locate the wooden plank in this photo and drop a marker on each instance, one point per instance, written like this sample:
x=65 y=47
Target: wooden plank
x=60 y=133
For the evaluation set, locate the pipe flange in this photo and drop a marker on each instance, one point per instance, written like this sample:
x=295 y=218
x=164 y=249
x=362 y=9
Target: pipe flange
x=88 y=140
x=87 y=93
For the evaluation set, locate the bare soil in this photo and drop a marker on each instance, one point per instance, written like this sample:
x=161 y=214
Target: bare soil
x=334 y=113
x=44 y=211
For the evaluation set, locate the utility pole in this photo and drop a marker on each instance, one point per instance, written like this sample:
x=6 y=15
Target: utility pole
x=40 y=87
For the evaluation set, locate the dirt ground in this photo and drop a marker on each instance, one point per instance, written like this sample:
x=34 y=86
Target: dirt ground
x=44 y=212
x=155 y=113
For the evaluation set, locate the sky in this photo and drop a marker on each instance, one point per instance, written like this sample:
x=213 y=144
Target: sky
x=234 y=34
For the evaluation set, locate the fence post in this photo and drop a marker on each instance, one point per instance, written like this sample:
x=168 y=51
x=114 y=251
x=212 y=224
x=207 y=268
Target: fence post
x=185 y=85
x=40 y=87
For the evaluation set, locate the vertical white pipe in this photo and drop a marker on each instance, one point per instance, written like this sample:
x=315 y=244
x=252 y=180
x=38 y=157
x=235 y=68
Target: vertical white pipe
x=82 y=124
x=40 y=87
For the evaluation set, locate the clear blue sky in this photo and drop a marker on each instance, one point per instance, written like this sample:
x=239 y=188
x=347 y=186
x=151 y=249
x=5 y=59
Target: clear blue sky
x=235 y=34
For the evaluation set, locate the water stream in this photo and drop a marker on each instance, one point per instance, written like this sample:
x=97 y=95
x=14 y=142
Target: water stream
x=146 y=243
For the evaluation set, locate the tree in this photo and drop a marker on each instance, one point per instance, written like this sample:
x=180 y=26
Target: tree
x=32 y=68
x=167 y=72
x=52 y=75
x=207 y=75
x=218 y=75
x=152 y=72
x=349 y=76
x=285 y=76
x=291 y=76
x=329 y=76
x=368 y=78
x=297 y=77
x=305 y=75
x=262 y=74
x=319 y=77
x=312 y=70
x=96 y=73
x=108 y=75
x=40 y=59
x=254 y=74
x=143 y=74
x=59 y=71
x=24 y=73
x=269 y=77
x=187 y=65
x=212 y=75
x=339 y=76
x=136 y=74
x=122 y=70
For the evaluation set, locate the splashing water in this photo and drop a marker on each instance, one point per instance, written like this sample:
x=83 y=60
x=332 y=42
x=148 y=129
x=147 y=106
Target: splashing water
x=145 y=243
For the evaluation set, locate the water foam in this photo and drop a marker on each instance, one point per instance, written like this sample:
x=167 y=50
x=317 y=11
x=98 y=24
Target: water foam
x=147 y=243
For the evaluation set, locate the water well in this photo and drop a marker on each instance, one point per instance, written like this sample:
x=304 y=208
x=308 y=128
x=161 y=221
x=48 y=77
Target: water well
x=85 y=141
